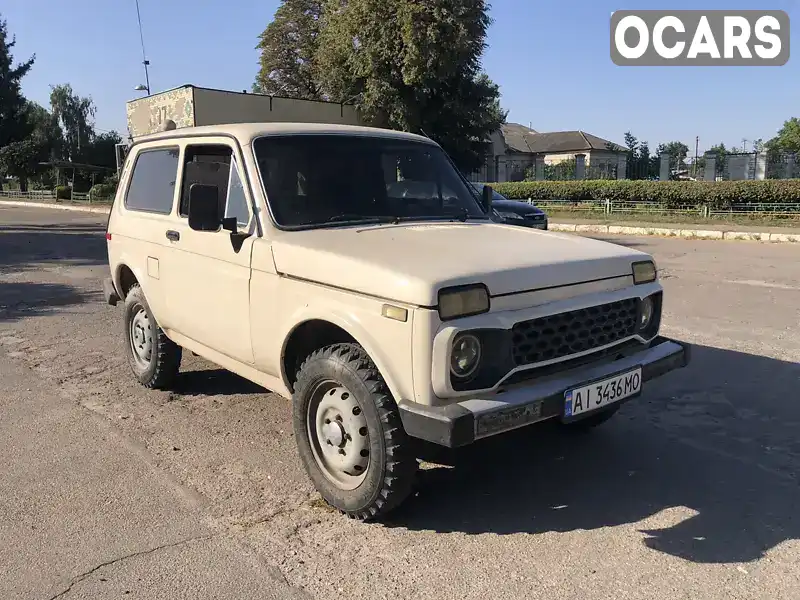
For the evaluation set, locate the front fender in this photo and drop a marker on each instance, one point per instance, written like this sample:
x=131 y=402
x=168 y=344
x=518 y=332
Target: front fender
x=388 y=342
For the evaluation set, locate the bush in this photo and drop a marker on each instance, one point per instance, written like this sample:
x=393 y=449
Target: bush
x=103 y=191
x=673 y=194
x=63 y=192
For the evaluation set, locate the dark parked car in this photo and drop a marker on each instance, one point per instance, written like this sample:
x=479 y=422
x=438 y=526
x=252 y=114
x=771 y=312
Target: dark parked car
x=514 y=212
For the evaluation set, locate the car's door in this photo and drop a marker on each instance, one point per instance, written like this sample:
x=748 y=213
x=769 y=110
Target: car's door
x=208 y=272
x=138 y=223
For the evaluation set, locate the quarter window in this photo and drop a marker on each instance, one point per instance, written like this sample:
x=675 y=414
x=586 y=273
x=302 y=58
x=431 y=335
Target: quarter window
x=152 y=187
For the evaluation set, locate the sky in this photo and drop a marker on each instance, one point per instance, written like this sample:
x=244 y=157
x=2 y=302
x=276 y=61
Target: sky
x=551 y=60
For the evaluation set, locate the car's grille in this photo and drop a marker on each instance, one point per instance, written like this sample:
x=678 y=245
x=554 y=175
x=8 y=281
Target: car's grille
x=565 y=334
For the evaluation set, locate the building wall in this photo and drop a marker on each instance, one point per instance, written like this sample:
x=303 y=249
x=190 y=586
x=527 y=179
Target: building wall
x=214 y=106
x=593 y=157
x=147 y=115
x=189 y=106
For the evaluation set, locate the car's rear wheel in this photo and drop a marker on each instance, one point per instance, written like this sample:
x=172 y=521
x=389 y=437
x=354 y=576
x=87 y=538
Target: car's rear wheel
x=349 y=435
x=154 y=358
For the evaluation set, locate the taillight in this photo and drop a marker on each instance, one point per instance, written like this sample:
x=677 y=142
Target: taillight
x=108 y=236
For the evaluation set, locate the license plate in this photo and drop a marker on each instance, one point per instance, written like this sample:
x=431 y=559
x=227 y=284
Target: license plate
x=600 y=394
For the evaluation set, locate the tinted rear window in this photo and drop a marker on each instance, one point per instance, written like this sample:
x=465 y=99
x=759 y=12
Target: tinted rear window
x=152 y=187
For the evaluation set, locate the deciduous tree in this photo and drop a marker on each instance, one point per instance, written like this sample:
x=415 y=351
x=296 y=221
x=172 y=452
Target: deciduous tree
x=288 y=47
x=788 y=138
x=75 y=116
x=414 y=66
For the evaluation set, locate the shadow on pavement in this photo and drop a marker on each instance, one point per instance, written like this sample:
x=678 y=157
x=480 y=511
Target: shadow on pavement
x=717 y=439
x=214 y=382
x=19 y=300
x=22 y=246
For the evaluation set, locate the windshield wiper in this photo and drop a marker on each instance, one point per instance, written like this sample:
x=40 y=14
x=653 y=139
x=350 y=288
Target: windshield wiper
x=363 y=218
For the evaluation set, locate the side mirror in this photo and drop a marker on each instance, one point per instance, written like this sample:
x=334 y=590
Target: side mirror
x=204 y=212
x=486 y=197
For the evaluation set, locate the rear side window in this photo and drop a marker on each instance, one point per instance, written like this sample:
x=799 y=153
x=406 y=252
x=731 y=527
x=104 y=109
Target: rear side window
x=152 y=187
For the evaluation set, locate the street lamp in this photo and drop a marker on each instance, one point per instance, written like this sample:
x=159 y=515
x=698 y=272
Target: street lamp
x=142 y=88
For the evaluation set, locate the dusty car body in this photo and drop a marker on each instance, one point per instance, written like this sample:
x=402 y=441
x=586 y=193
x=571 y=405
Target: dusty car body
x=353 y=271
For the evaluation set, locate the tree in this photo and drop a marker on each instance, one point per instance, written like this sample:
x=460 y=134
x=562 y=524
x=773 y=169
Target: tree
x=788 y=138
x=414 y=66
x=13 y=127
x=631 y=158
x=101 y=150
x=75 y=116
x=22 y=158
x=678 y=151
x=288 y=48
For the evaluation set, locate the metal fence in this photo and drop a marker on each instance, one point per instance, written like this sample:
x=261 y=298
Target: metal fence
x=50 y=196
x=641 y=210
x=729 y=166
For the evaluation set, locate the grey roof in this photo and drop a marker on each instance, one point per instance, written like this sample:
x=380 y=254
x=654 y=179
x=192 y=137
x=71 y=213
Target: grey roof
x=515 y=136
x=519 y=138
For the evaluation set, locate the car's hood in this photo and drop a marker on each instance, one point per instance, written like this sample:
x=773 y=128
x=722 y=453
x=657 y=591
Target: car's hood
x=412 y=262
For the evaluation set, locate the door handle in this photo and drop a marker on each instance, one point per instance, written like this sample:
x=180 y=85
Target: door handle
x=173 y=236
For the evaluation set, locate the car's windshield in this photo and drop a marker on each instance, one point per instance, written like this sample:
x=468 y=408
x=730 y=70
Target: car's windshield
x=330 y=179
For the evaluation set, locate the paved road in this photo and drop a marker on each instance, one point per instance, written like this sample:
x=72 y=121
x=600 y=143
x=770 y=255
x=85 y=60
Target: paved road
x=106 y=488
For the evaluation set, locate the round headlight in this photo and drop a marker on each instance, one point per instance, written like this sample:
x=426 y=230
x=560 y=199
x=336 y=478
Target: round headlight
x=646 y=313
x=466 y=355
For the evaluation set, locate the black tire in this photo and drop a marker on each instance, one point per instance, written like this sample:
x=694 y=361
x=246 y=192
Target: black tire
x=165 y=355
x=389 y=475
x=590 y=423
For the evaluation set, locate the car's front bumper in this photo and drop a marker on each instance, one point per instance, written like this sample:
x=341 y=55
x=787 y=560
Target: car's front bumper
x=468 y=420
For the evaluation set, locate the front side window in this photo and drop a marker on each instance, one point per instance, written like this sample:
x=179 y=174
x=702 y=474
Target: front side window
x=328 y=179
x=213 y=164
x=152 y=187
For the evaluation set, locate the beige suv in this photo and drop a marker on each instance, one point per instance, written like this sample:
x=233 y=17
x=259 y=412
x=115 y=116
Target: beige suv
x=356 y=272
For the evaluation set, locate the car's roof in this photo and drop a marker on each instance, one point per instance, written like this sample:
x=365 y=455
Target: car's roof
x=246 y=132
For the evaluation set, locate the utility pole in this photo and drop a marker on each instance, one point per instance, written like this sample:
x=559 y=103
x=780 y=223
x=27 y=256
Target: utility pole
x=696 y=154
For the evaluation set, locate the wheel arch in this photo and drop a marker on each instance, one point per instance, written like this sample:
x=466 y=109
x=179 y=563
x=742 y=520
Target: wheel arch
x=313 y=333
x=124 y=279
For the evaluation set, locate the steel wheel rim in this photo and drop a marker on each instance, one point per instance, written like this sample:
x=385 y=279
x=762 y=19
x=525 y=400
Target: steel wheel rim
x=140 y=332
x=339 y=436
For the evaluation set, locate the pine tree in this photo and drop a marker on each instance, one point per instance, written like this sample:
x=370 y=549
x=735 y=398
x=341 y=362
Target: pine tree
x=13 y=125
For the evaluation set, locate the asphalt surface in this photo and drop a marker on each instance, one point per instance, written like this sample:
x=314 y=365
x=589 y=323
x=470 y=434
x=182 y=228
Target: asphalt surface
x=108 y=490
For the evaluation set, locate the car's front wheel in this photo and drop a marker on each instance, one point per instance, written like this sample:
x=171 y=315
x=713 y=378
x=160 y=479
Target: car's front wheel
x=349 y=435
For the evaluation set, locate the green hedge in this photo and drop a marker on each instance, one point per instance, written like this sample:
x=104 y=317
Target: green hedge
x=103 y=191
x=716 y=194
x=63 y=192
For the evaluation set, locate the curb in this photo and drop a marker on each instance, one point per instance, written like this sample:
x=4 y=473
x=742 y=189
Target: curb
x=103 y=210
x=688 y=234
